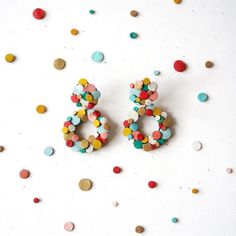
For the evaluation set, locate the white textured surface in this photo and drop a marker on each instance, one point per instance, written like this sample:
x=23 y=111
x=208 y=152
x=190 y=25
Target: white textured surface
x=194 y=31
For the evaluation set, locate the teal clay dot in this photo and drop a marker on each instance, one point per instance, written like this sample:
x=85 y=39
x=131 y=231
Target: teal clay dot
x=202 y=97
x=138 y=144
x=133 y=35
x=91 y=11
x=135 y=108
x=97 y=56
x=174 y=220
x=134 y=126
x=48 y=151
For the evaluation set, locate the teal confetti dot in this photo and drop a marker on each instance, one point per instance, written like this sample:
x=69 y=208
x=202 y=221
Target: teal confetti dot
x=202 y=97
x=138 y=144
x=134 y=126
x=48 y=151
x=91 y=12
x=133 y=35
x=97 y=56
x=174 y=220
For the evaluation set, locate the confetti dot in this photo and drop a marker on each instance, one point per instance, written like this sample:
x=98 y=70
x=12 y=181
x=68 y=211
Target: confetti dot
x=116 y=169
x=36 y=200
x=85 y=184
x=174 y=220
x=24 y=174
x=1 y=148
x=209 y=64
x=156 y=72
x=134 y=13
x=152 y=184
x=59 y=64
x=115 y=204
x=133 y=35
x=91 y=11
x=229 y=170
x=180 y=66
x=69 y=226
x=39 y=13
x=48 y=151
x=74 y=32
x=10 y=58
x=195 y=191
x=139 y=229
x=177 y=1
x=202 y=97
x=41 y=109
x=197 y=146
x=97 y=56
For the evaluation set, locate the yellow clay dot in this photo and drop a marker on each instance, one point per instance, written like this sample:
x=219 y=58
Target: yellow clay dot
x=96 y=123
x=126 y=131
x=65 y=130
x=89 y=97
x=157 y=111
x=81 y=112
x=137 y=99
x=41 y=109
x=145 y=140
x=177 y=1
x=146 y=81
x=83 y=82
x=97 y=144
x=10 y=58
x=74 y=32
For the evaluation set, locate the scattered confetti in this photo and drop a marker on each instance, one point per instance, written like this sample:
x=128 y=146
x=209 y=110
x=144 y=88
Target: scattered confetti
x=74 y=32
x=197 y=146
x=59 y=64
x=85 y=184
x=116 y=169
x=180 y=66
x=174 y=220
x=41 y=109
x=202 y=97
x=195 y=191
x=229 y=170
x=69 y=226
x=134 y=13
x=133 y=35
x=48 y=151
x=10 y=58
x=209 y=64
x=24 y=174
x=97 y=56
x=139 y=229
x=36 y=200
x=152 y=184
x=39 y=13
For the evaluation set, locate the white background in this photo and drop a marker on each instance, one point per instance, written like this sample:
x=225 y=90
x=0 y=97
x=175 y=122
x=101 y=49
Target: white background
x=194 y=31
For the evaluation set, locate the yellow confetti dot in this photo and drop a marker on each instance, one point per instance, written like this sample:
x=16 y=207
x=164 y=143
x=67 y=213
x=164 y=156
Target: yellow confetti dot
x=65 y=130
x=177 y=1
x=74 y=32
x=96 y=123
x=81 y=112
x=10 y=58
x=157 y=111
x=146 y=81
x=83 y=81
x=194 y=190
x=97 y=144
x=126 y=131
x=145 y=140
x=41 y=109
x=89 y=97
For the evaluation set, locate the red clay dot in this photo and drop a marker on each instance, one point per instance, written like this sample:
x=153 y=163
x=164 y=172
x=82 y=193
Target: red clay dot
x=36 y=200
x=69 y=143
x=152 y=184
x=116 y=169
x=38 y=13
x=180 y=66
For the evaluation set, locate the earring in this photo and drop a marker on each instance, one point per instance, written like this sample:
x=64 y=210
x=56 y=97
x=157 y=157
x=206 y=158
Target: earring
x=143 y=93
x=86 y=96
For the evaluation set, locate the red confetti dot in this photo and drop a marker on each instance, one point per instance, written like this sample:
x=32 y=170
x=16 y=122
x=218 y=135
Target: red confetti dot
x=143 y=95
x=116 y=169
x=140 y=137
x=69 y=143
x=180 y=66
x=36 y=200
x=39 y=13
x=74 y=98
x=152 y=184
x=90 y=105
x=126 y=123
x=149 y=112
x=97 y=113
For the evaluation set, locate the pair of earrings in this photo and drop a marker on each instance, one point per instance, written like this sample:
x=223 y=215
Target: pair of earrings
x=143 y=93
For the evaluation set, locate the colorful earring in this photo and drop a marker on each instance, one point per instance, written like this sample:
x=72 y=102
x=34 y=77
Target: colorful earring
x=143 y=93
x=86 y=96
